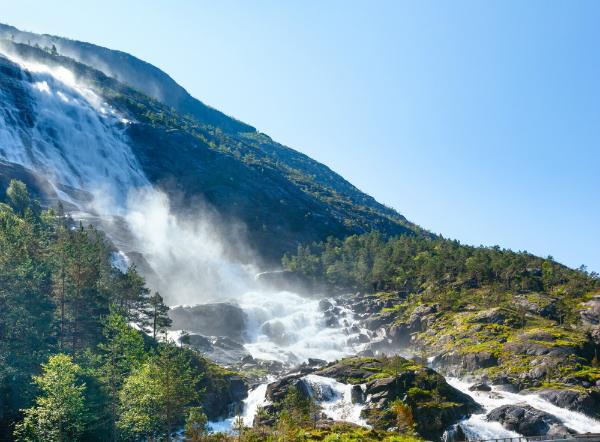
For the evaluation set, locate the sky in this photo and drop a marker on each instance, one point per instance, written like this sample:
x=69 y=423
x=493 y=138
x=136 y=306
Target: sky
x=476 y=120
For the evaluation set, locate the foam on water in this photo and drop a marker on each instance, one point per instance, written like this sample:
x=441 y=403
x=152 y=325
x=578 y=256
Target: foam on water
x=290 y=328
x=335 y=398
x=479 y=427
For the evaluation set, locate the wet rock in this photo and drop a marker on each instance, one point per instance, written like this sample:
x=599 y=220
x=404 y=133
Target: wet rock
x=221 y=349
x=314 y=362
x=219 y=399
x=277 y=390
x=215 y=319
x=528 y=421
x=386 y=381
x=357 y=395
x=480 y=386
x=277 y=333
x=325 y=305
x=584 y=401
x=456 y=434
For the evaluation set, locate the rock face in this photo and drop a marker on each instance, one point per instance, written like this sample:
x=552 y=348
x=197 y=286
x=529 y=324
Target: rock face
x=217 y=319
x=480 y=386
x=221 y=399
x=220 y=349
x=528 y=421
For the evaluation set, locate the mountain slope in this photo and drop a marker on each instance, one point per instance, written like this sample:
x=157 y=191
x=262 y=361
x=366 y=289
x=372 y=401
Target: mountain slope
x=281 y=196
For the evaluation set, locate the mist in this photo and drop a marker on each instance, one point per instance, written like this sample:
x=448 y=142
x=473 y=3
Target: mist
x=191 y=255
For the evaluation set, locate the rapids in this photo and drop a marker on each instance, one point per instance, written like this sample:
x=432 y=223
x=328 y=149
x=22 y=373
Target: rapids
x=478 y=427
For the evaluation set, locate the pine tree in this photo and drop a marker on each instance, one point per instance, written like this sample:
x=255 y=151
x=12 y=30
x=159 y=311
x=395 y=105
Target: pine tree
x=156 y=315
x=121 y=352
x=196 y=425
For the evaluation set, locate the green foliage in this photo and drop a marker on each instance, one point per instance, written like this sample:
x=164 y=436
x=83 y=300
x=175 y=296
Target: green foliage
x=62 y=301
x=297 y=410
x=59 y=412
x=153 y=398
x=439 y=268
x=196 y=425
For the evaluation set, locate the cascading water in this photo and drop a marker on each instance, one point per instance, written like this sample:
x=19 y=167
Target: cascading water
x=478 y=427
x=250 y=405
x=290 y=328
x=335 y=398
x=65 y=132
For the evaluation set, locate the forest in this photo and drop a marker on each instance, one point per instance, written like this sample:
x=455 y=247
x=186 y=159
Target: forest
x=412 y=264
x=79 y=354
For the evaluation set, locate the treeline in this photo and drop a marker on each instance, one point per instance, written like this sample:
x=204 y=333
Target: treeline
x=410 y=264
x=74 y=363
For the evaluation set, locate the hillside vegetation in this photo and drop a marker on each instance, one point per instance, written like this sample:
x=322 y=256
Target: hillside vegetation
x=508 y=317
x=74 y=362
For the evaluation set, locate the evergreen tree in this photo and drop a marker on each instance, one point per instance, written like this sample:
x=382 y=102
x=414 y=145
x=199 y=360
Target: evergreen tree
x=196 y=425
x=121 y=352
x=157 y=318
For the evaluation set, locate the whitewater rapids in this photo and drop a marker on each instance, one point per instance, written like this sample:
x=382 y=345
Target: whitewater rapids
x=478 y=427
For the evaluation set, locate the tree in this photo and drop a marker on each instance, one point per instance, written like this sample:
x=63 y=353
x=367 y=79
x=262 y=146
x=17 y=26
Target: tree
x=196 y=425
x=154 y=397
x=403 y=416
x=59 y=412
x=26 y=312
x=238 y=426
x=157 y=315
x=121 y=352
x=18 y=196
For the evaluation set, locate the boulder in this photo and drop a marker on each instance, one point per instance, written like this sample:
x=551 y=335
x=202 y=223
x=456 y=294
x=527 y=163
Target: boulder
x=357 y=395
x=528 y=421
x=490 y=316
x=480 y=386
x=214 y=319
x=584 y=401
x=220 y=349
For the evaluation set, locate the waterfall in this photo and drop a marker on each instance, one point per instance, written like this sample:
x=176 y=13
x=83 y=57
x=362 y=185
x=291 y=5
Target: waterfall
x=67 y=133
x=335 y=398
x=250 y=405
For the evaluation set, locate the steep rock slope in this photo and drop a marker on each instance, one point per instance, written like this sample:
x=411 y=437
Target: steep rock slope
x=202 y=156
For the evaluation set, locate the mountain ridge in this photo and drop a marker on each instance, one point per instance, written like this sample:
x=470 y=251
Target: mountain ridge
x=243 y=173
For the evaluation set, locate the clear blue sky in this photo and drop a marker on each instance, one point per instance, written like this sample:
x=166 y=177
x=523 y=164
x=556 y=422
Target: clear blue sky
x=477 y=120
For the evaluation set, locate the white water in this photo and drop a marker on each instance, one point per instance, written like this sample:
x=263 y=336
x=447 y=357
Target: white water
x=76 y=139
x=256 y=398
x=297 y=328
x=336 y=399
x=477 y=425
